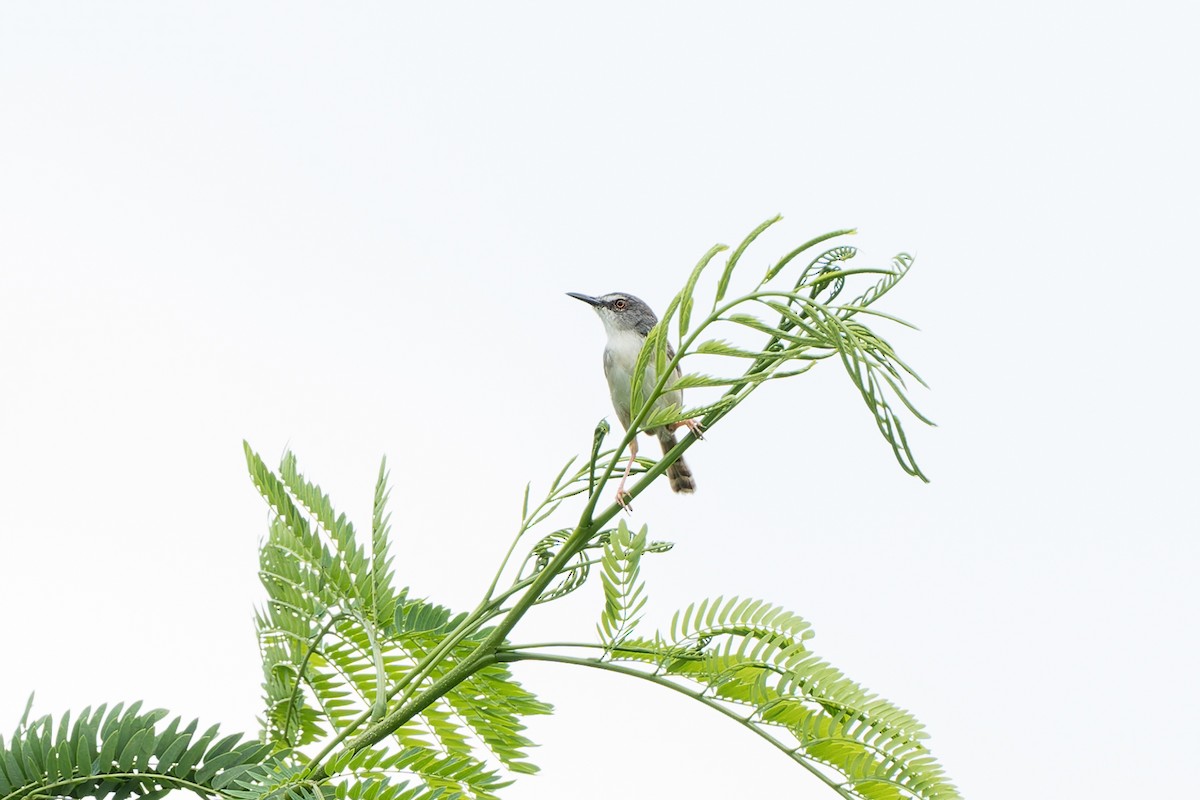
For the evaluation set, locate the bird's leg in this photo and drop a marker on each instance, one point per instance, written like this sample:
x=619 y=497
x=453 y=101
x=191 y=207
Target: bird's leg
x=692 y=425
x=621 y=493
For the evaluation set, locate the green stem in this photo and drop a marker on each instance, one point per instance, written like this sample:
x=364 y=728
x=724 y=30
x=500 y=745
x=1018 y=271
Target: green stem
x=526 y=523
x=384 y=728
x=511 y=655
x=412 y=681
x=483 y=655
x=380 y=704
x=498 y=601
x=512 y=548
x=312 y=647
x=620 y=648
x=556 y=494
x=61 y=788
x=315 y=770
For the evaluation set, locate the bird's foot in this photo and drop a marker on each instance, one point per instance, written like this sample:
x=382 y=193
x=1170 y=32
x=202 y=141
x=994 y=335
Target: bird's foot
x=692 y=425
x=624 y=499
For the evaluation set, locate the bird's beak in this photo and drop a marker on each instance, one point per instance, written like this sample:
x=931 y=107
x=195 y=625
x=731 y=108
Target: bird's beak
x=592 y=301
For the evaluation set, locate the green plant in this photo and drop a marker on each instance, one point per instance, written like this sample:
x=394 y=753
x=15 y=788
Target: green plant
x=372 y=694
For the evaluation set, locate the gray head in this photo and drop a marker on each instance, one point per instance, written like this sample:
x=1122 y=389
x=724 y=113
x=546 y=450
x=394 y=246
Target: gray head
x=620 y=312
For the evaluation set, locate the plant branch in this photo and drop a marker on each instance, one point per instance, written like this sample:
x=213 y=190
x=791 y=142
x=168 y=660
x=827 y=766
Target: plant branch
x=482 y=655
x=62 y=788
x=513 y=655
x=315 y=769
x=312 y=648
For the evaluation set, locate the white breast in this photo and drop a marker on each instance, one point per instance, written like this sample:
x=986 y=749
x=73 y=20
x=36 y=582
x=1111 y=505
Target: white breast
x=620 y=358
x=622 y=350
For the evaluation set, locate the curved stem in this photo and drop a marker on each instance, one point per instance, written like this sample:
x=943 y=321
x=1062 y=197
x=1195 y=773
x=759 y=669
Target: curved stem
x=58 y=788
x=511 y=655
x=484 y=654
x=380 y=703
x=314 y=768
x=312 y=648
x=511 y=549
x=557 y=493
x=620 y=648
x=463 y=670
x=498 y=601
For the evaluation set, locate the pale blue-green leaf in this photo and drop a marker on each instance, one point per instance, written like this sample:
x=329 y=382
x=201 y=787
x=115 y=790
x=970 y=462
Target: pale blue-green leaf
x=687 y=295
x=735 y=256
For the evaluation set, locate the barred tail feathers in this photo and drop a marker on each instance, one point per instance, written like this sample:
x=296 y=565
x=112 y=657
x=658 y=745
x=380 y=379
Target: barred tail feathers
x=678 y=474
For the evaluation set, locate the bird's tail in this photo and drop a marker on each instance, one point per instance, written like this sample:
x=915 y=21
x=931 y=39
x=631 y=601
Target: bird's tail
x=679 y=474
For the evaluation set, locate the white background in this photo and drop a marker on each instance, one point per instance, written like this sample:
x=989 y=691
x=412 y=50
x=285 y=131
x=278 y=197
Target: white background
x=347 y=229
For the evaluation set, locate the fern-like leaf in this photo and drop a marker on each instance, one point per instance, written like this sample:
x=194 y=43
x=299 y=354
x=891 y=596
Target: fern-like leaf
x=732 y=262
x=624 y=591
x=346 y=567
x=754 y=655
x=901 y=264
x=382 y=600
x=122 y=752
x=337 y=636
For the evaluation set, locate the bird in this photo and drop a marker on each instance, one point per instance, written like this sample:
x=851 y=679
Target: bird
x=627 y=321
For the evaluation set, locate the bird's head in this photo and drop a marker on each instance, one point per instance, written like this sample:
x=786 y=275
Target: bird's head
x=620 y=312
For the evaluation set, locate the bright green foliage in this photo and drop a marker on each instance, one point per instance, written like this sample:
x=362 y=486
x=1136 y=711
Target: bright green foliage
x=337 y=638
x=371 y=694
x=750 y=655
x=624 y=591
x=371 y=774
x=122 y=752
x=804 y=326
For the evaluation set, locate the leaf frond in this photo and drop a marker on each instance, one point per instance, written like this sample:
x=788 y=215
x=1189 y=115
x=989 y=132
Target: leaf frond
x=747 y=653
x=339 y=640
x=381 y=601
x=123 y=752
x=624 y=591
x=732 y=262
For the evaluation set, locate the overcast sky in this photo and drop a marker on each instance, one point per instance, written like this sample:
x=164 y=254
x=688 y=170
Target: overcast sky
x=347 y=229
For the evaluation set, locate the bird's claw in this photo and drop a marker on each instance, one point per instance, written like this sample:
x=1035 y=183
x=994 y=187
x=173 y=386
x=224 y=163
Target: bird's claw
x=695 y=426
x=623 y=503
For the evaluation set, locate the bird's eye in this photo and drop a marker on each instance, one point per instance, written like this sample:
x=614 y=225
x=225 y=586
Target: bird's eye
x=620 y=304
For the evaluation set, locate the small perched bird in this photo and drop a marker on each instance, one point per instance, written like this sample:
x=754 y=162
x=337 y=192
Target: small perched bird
x=627 y=321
